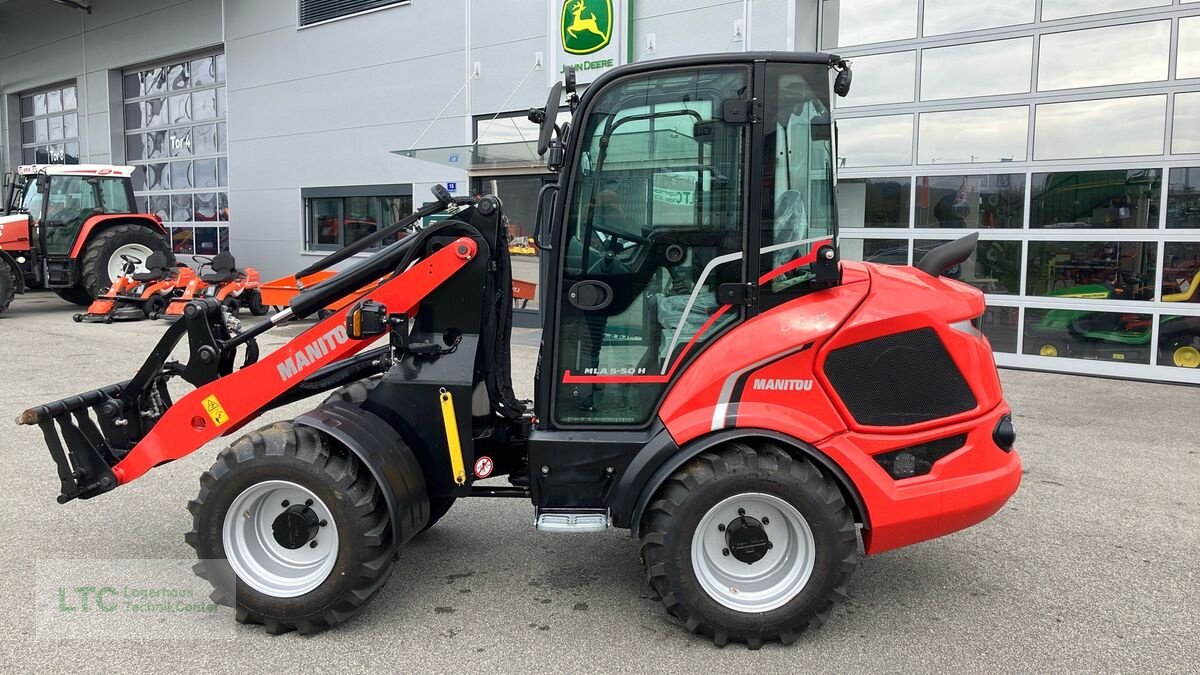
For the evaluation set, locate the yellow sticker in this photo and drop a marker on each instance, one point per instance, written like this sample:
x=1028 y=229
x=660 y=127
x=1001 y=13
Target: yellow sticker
x=213 y=407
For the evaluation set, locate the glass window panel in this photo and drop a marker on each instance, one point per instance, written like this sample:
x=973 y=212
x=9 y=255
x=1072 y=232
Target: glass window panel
x=179 y=76
x=143 y=205
x=54 y=101
x=39 y=104
x=222 y=172
x=1179 y=341
x=160 y=205
x=206 y=207
x=40 y=131
x=1098 y=270
x=219 y=67
x=994 y=266
x=133 y=116
x=223 y=237
x=221 y=137
x=204 y=173
x=1112 y=127
x=1000 y=328
x=180 y=109
x=70 y=125
x=153 y=81
x=181 y=175
x=206 y=240
x=203 y=72
x=968 y=136
x=155 y=145
x=361 y=218
x=223 y=209
x=873 y=202
x=885 y=251
x=882 y=78
x=875 y=141
x=1086 y=58
x=1188 y=60
x=135 y=148
x=953 y=16
x=205 y=139
x=1061 y=9
x=72 y=150
x=58 y=153
x=68 y=99
x=1185 y=130
x=982 y=69
x=154 y=112
x=26 y=106
x=993 y=201
x=204 y=104
x=222 y=105
x=27 y=132
x=181 y=141
x=1092 y=199
x=56 y=127
x=1183 y=198
x=1181 y=272
x=29 y=156
x=181 y=208
x=860 y=22
x=1074 y=334
x=183 y=240
x=326 y=221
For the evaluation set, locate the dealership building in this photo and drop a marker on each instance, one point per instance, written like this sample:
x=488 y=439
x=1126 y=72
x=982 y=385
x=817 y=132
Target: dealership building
x=1065 y=132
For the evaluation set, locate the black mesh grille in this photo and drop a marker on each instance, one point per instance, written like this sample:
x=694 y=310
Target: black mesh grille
x=312 y=11
x=918 y=460
x=899 y=379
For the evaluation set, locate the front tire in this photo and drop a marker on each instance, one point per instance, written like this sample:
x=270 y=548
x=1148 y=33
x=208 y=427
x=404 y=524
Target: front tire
x=749 y=545
x=255 y=304
x=101 y=259
x=155 y=305
x=258 y=515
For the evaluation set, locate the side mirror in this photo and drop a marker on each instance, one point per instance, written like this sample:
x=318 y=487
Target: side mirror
x=841 y=84
x=43 y=182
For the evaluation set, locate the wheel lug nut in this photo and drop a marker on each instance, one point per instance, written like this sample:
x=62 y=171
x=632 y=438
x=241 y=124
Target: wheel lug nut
x=724 y=551
x=312 y=544
x=324 y=523
x=766 y=520
x=308 y=502
x=770 y=545
x=721 y=527
x=286 y=504
x=741 y=512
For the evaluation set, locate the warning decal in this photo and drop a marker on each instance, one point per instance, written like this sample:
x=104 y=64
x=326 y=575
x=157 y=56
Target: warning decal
x=483 y=467
x=215 y=412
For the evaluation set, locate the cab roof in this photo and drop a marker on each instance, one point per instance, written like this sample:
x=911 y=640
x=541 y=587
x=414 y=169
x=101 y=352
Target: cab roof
x=75 y=170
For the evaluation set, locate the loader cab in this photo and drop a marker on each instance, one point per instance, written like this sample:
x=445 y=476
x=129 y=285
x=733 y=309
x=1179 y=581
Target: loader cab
x=671 y=173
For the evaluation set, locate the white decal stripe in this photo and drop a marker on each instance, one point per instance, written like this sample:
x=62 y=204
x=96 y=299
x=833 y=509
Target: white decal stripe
x=723 y=400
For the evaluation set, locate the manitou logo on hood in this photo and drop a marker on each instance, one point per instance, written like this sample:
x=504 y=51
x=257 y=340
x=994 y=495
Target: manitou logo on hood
x=781 y=385
x=586 y=25
x=314 y=351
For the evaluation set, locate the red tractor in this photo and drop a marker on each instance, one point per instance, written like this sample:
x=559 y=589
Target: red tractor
x=69 y=227
x=711 y=376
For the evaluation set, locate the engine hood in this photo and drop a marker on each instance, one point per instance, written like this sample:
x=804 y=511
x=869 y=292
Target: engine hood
x=14 y=232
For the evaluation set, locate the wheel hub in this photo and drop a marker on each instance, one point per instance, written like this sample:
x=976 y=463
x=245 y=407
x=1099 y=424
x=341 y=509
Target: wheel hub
x=1187 y=357
x=747 y=539
x=296 y=526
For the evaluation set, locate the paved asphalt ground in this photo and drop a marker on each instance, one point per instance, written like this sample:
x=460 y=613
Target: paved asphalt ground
x=1093 y=566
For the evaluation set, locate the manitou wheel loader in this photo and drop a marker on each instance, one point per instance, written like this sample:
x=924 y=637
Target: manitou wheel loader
x=69 y=228
x=711 y=376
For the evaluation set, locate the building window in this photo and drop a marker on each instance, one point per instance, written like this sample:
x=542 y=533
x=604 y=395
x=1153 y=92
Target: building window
x=875 y=141
x=1183 y=198
x=982 y=69
x=873 y=202
x=1115 y=127
x=337 y=217
x=316 y=11
x=1085 y=58
x=1094 y=199
x=955 y=16
x=882 y=78
x=1094 y=270
x=969 y=136
x=991 y=201
x=50 y=126
x=994 y=266
x=175 y=137
x=860 y=22
x=1061 y=9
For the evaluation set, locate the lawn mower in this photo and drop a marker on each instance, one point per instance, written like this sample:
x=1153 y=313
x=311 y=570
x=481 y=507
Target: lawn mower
x=224 y=282
x=764 y=405
x=140 y=295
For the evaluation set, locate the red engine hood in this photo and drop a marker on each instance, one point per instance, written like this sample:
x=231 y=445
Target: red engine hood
x=14 y=232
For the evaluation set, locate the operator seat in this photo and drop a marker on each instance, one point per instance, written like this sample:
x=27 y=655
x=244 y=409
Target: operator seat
x=157 y=267
x=224 y=269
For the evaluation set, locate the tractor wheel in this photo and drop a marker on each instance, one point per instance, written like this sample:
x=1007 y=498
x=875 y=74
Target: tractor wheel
x=8 y=286
x=1181 y=352
x=291 y=532
x=356 y=392
x=102 y=262
x=232 y=305
x=74 y=295
x=255 y=304
x=749 y=545
x=155 y=305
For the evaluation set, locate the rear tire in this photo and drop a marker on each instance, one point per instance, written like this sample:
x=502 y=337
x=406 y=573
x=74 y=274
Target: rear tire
x=254 y=303
x=74 y=295
x=8 y=286
x=807 y=557
x=344 y=494
x=103 y=246
x=155 y=305
x=232 y=305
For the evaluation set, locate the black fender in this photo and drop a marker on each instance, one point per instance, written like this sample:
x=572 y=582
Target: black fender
x=391 y=463
x=18 y=275
x=669 y=462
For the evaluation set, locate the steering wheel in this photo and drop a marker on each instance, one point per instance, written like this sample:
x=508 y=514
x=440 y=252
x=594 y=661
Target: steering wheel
x=204 y=261
x=130 y=259
x=619 y=234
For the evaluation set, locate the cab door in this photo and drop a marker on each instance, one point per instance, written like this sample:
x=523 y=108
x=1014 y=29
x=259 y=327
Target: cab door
x=652 y=235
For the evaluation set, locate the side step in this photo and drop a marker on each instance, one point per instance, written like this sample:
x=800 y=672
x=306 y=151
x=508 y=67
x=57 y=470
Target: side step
x=565 y=520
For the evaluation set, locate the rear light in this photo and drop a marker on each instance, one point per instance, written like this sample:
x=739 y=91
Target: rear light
x=1005 y=435
x=918 y=460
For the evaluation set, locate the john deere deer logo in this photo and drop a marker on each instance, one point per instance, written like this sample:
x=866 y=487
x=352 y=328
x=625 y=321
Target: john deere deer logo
x=586 y=25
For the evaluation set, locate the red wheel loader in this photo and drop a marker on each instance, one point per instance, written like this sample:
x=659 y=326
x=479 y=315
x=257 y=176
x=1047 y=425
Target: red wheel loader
x=711 y=377
x=69 y=228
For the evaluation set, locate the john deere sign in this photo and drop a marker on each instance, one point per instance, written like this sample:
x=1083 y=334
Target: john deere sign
x=587 y=35
x=586 y=26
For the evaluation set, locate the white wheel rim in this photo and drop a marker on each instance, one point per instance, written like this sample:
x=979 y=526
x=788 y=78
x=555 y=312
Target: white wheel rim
x=768 y=583
x=116 y=265
x=259 y=559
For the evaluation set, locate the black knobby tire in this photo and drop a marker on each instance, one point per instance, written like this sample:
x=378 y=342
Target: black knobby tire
x=94 y=270
x=356 y=392
x=286 y=452
x=232 y=305
x=672 y=517
x=255 y=304
x=75 y=295
x=8 y=285
x=155 y=305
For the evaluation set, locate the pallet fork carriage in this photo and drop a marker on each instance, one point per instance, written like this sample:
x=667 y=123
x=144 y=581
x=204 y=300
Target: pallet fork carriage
x=711 y=377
